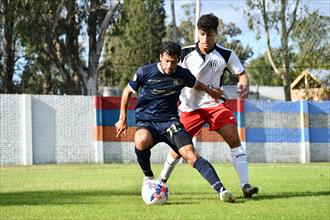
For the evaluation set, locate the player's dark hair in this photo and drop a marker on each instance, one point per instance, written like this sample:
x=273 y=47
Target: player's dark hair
x=171 y=48
x=208 y=22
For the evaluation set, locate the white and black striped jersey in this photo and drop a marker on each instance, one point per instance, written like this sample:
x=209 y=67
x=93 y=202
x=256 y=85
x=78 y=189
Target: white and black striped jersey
x=209 y=69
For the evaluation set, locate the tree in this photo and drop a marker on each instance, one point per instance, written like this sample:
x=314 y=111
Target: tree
x=35 y=80
x=310 y=39
x=184 y=33
x=135 y=38
x=186 y=29
x=281 y=17
x=9 y=12
x=56 y=26
x=262 y=73
x=173 y=29
x=309 y=49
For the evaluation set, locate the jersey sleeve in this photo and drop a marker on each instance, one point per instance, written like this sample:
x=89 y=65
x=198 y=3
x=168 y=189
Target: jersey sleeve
x=234 y=64
x=137 y=80
x=190 y=79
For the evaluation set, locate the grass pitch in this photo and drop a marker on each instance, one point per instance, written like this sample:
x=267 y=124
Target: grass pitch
x=112 y=191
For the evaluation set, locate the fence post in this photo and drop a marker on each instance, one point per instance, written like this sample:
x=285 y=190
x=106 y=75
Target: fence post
x=99 y=155
x=27 y=151
x=304 y=128
x=240 y=103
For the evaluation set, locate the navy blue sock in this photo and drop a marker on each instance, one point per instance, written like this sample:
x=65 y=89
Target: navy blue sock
x=143 y=158
x=208 y=172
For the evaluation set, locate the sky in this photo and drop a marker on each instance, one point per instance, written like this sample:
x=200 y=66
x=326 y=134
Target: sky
x=227 y=11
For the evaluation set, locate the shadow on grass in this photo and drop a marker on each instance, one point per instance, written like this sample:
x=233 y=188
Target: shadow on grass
x=239 y=199
x=64 y=197
x=287 y=195
x=60 y=197
x=194 y=198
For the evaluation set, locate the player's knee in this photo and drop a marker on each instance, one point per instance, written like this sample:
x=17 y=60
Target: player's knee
x=230 y=135
x=189 y=154
x=143 y=139
x=191 y=160
x=142 y=142
x=233 y=140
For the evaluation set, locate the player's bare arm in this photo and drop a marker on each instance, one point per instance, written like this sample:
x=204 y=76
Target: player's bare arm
x=213 y=92
x=243 y=85
x=121 y=124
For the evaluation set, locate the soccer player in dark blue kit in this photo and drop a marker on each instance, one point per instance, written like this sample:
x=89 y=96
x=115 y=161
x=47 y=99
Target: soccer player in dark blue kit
x=157 y=116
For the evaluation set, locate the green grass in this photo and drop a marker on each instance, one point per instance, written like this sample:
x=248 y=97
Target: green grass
x=112 y=191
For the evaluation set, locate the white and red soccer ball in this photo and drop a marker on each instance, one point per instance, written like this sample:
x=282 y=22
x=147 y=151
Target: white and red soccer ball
x=154 y=192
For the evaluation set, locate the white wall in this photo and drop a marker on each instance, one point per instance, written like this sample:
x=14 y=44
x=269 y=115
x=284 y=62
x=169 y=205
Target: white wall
x=60 y=129
x=11 y=129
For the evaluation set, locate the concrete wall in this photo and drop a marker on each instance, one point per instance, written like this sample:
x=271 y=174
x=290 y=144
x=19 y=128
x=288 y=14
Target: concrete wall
x=79 y=129
x=11 y=129
x=270 y=131
x=62 y=129
x=46 y=129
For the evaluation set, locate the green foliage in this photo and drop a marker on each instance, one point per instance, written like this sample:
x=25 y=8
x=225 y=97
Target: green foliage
x=310 y=48
x=261 y=72
x=314 y=52
x=33 y=81
x=52 y=33
x=278 y=16
x=9 y=15
x=49 y=34
x=135 y=39
x=112 y=191
x=187 y=27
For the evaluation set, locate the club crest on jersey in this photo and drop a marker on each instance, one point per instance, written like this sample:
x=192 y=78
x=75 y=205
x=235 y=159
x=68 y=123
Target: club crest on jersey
x=178 y=82
x=213 y=64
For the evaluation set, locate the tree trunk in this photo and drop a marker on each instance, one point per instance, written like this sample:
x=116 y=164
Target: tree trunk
x=175 y=30
x=9 y=46
x=285 y=53
x=92 y=86
x=91 y=76
x=73 y=46
x=269 y=48
x=70 y=87
x=47 y=83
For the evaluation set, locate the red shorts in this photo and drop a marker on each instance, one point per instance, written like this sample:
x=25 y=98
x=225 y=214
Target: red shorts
x=216 y=117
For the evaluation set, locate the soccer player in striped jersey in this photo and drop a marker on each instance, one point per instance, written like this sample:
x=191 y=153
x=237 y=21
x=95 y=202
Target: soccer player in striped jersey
x=207 y=61
x=157 y=116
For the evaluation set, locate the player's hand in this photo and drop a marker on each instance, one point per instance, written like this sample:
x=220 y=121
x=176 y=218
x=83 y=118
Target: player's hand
x=121 y=126
x=216 y=93
x=243 y=91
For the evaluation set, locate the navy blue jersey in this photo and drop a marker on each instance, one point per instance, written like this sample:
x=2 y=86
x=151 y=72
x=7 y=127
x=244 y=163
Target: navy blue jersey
x=159 y=95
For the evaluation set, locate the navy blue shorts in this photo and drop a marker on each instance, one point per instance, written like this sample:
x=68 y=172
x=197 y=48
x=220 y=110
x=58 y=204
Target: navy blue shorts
x=171 y=132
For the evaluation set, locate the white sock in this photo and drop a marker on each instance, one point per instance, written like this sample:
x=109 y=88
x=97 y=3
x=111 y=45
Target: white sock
x=240 y=163
x=168 y=167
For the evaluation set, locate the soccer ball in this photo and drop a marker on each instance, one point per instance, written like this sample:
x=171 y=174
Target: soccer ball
x=154 y=192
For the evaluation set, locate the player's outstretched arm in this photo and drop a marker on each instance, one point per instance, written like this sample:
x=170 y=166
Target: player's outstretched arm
x=213 y=92
x=243 y=85
x=121 y=124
